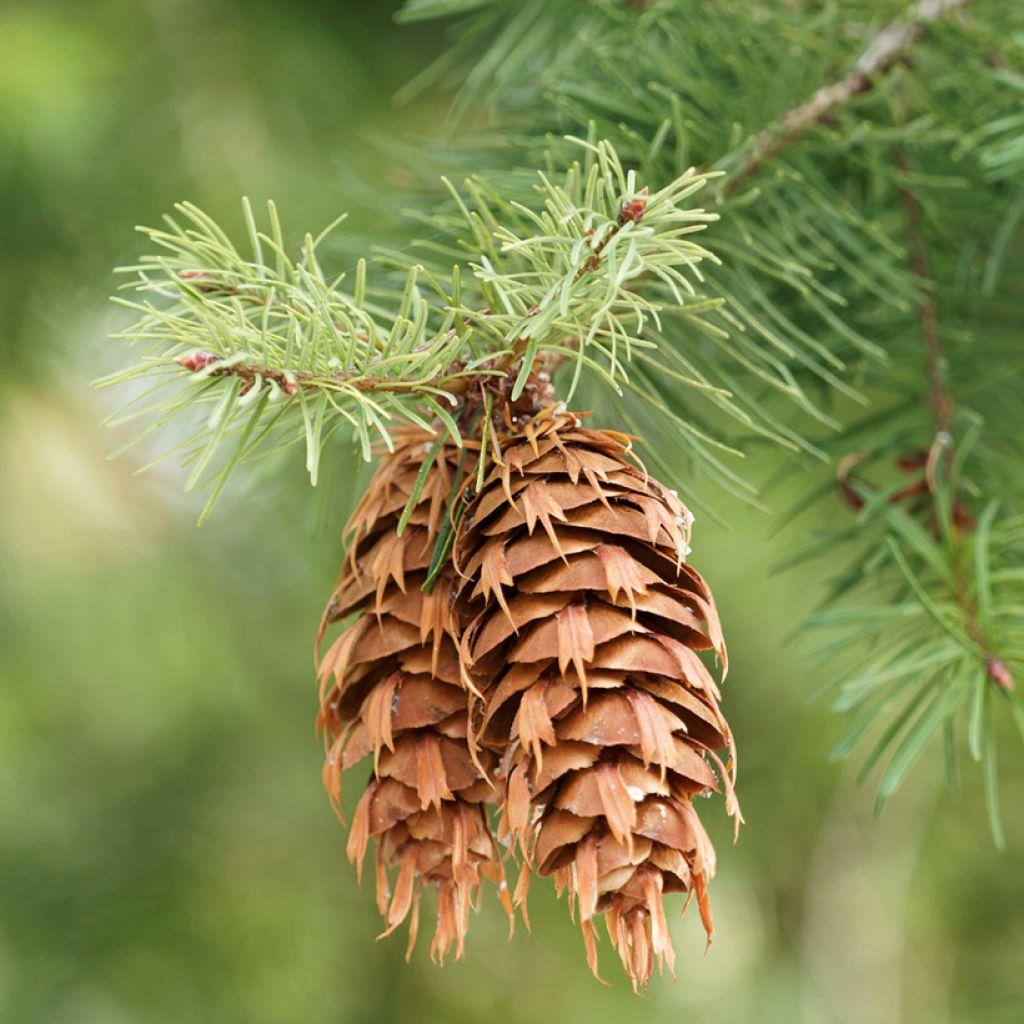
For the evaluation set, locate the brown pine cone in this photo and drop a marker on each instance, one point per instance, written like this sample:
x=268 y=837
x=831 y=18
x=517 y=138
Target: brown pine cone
x=391 y=687
x=583 y=642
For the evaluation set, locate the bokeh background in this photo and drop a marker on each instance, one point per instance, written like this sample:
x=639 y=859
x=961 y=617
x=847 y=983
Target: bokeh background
x=166 y=851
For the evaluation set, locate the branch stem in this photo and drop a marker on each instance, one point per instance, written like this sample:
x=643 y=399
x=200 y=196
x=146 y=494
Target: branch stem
x=941 y=403
x=306 y=380
x=939 y=399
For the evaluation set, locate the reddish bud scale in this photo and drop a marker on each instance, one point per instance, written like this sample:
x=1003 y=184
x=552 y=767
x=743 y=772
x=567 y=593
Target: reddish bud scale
x=999 y=672
x=196 y=361
x=633 y=210
x=195 y=279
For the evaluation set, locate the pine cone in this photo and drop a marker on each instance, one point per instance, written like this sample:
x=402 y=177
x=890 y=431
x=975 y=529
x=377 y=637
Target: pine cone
x=391 y=687
x=583 y=643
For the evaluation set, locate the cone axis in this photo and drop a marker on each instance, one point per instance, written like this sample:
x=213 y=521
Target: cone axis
x=585 y=627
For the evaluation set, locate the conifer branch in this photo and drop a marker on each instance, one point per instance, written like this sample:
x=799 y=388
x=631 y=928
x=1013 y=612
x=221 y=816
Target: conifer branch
x=919 y=642
x=941 y=403
x=262 y=335
x=888 y=47
x=942 y=619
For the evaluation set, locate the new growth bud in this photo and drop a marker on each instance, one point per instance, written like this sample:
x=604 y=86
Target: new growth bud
x=196 y=279
x=998 y=671
x=196 y=361
x=634 y=209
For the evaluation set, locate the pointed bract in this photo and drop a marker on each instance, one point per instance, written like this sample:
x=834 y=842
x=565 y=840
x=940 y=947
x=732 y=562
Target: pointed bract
x=391 y=688
x=585 y=623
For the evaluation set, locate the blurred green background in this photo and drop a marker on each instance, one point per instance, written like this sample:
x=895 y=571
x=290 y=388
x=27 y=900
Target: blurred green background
x=166 y=851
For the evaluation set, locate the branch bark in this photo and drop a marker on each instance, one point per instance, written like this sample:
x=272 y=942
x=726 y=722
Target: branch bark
x=305 y=380
x=939 y=399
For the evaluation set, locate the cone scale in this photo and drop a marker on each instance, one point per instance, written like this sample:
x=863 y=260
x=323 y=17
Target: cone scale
x=585 y=623
x=391 y=689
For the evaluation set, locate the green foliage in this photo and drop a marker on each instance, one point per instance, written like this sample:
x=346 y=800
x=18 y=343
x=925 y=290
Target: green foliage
x=282 y=353
x=917 y=617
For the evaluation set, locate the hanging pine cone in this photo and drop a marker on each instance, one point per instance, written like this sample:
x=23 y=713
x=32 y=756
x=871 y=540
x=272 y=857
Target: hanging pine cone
x=391 y=687
x=583 y=643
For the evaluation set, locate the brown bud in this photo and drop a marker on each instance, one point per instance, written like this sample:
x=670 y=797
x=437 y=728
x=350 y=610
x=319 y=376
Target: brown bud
x=634 y=209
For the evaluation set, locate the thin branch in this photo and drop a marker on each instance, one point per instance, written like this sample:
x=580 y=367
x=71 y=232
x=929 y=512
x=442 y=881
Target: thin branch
x=291 y=382
x=939 y=399
x=942 y=405
x=884 y=50
x=631 y=212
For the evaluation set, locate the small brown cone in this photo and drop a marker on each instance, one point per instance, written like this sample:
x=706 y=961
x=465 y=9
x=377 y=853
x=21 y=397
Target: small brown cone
x=586 y=623
x=391 y=689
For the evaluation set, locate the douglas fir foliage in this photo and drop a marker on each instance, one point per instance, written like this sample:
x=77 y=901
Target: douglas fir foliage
x=520 y=624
